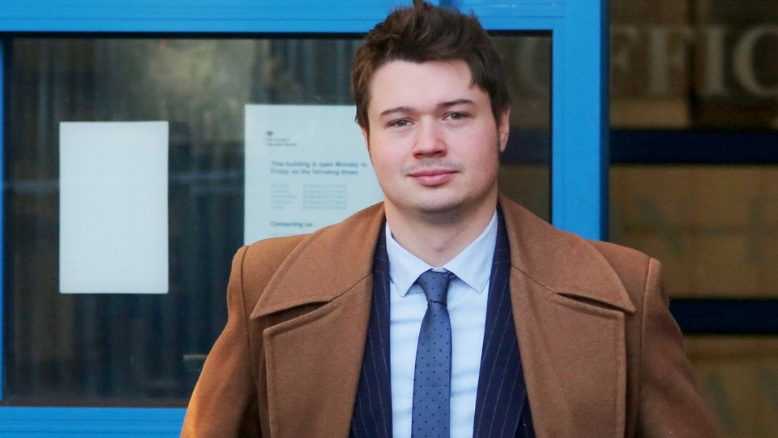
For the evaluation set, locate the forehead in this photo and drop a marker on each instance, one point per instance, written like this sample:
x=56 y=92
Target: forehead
x=404 y=83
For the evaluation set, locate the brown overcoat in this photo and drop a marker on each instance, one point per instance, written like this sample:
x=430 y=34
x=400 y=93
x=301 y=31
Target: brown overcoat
x=602 y=356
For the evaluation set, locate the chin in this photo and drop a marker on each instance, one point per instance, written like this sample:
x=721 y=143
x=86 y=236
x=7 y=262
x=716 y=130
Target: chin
x=444 y=209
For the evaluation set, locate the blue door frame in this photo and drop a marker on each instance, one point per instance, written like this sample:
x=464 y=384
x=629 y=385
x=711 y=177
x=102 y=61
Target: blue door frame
x=579 y=120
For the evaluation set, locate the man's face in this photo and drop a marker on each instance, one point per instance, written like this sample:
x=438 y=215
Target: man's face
x=433 y=139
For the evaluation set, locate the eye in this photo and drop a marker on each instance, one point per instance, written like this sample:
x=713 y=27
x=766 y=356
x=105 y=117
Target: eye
x=456 y=116
x=402 y=123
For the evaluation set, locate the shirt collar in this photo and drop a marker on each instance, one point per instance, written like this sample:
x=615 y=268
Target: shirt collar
x=473 y=265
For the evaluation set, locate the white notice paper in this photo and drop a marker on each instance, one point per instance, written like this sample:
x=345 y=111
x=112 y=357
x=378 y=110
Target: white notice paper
x=306 y=167
x=113 y=207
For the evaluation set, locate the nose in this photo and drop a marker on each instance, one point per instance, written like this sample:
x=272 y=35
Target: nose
x=430 y=141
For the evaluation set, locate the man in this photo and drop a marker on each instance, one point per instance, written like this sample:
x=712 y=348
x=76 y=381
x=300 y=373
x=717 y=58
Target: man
x=446 y=310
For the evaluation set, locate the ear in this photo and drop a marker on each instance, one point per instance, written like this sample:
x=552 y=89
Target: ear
x=504 y=128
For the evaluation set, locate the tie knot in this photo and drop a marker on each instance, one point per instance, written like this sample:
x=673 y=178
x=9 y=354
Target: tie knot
x=435 y=285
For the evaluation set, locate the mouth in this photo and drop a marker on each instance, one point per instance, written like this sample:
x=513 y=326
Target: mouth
x=432 y=177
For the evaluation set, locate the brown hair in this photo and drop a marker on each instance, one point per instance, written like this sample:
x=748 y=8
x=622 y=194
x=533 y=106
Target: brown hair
x=424 y=33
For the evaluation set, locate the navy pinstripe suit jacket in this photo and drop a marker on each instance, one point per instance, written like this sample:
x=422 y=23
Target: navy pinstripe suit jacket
x=502 y=409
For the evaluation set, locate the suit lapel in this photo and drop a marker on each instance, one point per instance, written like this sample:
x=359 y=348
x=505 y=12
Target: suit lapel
x=373 y=408
x=569 y=308
x=501 y=396
x=317 y=317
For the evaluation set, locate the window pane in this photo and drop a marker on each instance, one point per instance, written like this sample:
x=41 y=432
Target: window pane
x=134 y=347
x=739 y=378
x=715 y=228
x=703 y=64
x=525 y=174
x=694 y=88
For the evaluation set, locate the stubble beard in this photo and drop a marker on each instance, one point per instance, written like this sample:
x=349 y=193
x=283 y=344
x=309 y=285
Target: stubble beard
x=455 y=207
x=451 y=208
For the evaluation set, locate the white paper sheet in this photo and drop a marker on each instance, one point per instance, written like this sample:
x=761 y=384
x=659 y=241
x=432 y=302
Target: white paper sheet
x=306 y=167
x=113 y=207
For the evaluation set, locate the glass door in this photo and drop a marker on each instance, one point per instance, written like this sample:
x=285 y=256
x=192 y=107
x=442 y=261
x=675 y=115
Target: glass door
x=78 y=358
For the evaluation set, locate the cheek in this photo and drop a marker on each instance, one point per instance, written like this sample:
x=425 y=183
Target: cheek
x=382 y=160
x=489 y=166
x=484 y=150
x=384 y=153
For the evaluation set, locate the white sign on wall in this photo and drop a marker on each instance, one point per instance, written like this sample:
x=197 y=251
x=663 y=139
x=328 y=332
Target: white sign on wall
x=113 y=207
x=306 y=167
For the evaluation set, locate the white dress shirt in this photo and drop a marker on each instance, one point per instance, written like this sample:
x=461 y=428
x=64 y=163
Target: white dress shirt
x=467 y=299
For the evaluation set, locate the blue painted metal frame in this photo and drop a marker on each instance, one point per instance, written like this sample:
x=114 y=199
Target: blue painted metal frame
x=579 y=114
x=579 y=161
x=90 y=422
x=193 y=16
x=2 y=217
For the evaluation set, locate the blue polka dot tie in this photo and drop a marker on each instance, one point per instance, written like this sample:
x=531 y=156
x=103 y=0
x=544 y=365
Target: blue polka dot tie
x=432 y=378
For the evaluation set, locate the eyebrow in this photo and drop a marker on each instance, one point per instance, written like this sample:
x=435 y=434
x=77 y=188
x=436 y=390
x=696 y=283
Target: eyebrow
x=407 y=109
x=456 y=102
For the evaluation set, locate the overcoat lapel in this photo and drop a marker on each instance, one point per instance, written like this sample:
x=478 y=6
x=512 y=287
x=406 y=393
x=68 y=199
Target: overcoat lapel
x=313 y=359
x=569 y=307
x=574 y=363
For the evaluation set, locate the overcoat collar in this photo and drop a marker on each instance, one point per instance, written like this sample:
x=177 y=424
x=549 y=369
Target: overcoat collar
x=537 y=250
x=325 y=265
x=568 y=303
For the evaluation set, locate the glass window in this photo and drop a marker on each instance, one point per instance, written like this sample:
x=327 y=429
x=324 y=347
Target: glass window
x=739 y=378
x=694 y=183
x=715 y=228
x=694 y=112
x=132 y=349
x=702 y=64
x=525 y=173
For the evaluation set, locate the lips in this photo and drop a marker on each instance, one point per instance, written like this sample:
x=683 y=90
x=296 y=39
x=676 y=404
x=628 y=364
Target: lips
x=432 y=177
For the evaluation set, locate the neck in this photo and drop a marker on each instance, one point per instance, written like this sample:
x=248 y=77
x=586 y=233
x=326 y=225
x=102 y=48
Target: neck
x=436 y=239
